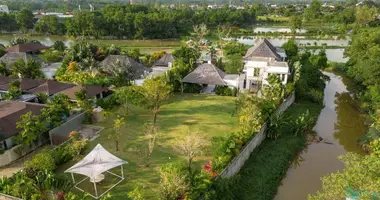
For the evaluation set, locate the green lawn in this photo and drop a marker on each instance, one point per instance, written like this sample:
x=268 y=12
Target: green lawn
x=206 y=114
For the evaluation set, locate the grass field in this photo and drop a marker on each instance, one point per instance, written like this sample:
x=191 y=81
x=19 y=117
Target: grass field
x=208 y=115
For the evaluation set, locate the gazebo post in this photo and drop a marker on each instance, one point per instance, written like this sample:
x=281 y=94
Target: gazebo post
x=96 y=191
x=72 y=176
x=122 y=171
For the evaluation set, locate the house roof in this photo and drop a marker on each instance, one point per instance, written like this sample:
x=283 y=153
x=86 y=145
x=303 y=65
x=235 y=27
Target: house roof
x=50 y=87
x=263 y=48
x=91 y=90
x=27 y=48
x=10 y=113
x=164 y=61
x=139 y=70
x=4 y=79
x=26 y=84
x=11 y=57
x=206 y=74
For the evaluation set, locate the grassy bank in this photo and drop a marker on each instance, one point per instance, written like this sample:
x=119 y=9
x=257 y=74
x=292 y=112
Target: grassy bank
x=268 y=164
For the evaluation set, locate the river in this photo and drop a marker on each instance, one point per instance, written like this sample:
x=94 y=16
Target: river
x=339 y=123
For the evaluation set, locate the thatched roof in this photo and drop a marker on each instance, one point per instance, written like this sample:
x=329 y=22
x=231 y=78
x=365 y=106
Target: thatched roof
x=164 y=61
x=138 y=69
x=10 y=113
x=263 y=48
x=27 y=48
x=206 y=74
x=50 y=87
x=91 y=90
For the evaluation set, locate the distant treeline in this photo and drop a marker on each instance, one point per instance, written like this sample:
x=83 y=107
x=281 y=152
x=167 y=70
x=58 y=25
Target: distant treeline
x=128 y=21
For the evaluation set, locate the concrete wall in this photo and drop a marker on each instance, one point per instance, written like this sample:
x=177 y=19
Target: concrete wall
x=61 y=133
x=238 y=162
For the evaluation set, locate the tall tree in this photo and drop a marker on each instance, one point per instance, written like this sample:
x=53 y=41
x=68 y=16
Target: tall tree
x=199 y=32
x=155 y=92
x=364 y=15
x=296 y=23
x=31 y=127
x=191 y=146
x=25 y=19
x=313 y=12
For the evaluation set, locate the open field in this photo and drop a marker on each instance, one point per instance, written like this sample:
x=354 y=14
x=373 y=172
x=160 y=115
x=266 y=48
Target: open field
x=206 y=114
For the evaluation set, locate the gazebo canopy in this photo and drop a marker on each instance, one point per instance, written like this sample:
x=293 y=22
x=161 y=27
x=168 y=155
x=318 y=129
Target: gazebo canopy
x=206 y=74
x=96 y=162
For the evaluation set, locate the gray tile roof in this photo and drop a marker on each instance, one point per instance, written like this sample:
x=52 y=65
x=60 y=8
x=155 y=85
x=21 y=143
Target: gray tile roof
x=11 y=57
x=139 y=69
x=263 y=48
x=206 y=74
x=164 y=61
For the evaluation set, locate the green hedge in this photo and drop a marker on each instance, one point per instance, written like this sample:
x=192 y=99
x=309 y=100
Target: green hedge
x=225 y=91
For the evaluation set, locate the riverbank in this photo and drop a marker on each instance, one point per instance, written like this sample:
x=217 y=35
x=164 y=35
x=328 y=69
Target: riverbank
x=263 y=171
x=340 y=124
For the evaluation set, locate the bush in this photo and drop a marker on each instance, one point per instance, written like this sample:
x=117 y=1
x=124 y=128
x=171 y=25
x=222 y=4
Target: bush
x=225 y=91
x=109 y=102
x=174 y=181
x=40 y=162
x=59 y=45
x=191 y=88
x=315 y=96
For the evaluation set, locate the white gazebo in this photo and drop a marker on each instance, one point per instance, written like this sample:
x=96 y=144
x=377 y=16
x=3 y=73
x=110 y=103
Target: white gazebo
x=94 y=165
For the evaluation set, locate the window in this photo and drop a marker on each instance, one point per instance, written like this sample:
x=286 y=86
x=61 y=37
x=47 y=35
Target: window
x=256 y=71
x=282 y=77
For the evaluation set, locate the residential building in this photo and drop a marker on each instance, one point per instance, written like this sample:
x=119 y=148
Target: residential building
x=50 y=87
x=210 y=76
x=92 y=91
x=120 y=63
x=10 y=113
x=162 y=65
x=262 y=60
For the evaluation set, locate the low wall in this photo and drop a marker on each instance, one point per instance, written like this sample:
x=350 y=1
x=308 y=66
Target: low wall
x=61 y=133
x=238 y=162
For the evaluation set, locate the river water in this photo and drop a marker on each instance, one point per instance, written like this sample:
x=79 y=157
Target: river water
x=339 y=123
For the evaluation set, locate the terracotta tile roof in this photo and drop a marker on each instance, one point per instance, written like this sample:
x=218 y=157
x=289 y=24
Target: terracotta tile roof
x=10 y=113
x=50 y=87
x=92 y=90
x=206 y=74
x=26 y=48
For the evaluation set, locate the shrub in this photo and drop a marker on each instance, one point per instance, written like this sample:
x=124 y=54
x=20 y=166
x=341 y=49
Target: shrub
x=40 y=162
x=174 y=181
x=191 y=88
x=315 y=96
x=61 y=155
x=224 y=91
x=109 y=102
x=59 y=45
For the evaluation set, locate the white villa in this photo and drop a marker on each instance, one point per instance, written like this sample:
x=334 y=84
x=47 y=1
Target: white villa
x=262 y=60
